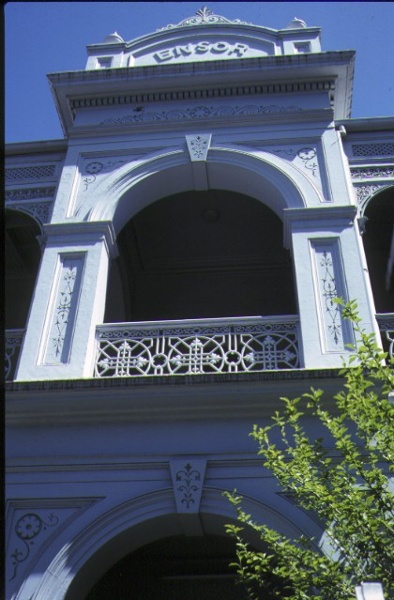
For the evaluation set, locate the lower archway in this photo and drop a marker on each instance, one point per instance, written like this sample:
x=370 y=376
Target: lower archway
x=175 y=568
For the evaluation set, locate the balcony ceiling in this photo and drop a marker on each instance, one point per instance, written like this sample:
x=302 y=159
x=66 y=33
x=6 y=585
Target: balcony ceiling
x=205 y=254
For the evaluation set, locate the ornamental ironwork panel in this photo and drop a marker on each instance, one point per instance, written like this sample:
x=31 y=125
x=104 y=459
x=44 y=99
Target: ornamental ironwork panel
x=376 y=149
x=196 y=347
x=13 y=343
x=386 y=326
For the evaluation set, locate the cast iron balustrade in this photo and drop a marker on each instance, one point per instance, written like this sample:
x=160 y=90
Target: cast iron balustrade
x=13 y=342
x=386 y=326
x=197 y=346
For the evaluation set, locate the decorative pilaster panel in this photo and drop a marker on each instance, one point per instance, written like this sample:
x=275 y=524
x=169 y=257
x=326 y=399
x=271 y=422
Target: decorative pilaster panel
x=64 y=310
x=330 y=284
x=188 y=480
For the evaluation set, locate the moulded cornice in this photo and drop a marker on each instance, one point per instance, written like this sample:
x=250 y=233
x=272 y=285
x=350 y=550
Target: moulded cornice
x=34 y=148
x=204 y=397
x=318 y=218
x=172 y=72
x=73 y=231
x=241 y=77
x=366 y=124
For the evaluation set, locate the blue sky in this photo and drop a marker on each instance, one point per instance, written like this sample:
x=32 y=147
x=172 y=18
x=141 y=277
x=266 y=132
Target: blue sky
x=45 y=37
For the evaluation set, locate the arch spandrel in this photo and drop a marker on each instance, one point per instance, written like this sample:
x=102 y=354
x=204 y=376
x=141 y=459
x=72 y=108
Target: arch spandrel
x=129 y=526
x=261 y=175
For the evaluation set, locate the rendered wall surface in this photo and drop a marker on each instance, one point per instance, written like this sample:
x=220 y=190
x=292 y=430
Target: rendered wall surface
x=101 y=462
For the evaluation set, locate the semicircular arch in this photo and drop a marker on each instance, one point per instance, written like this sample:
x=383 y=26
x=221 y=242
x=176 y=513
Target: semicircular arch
x=136 y=523
x=261 y=175
x=378 y=241
x=22 y=234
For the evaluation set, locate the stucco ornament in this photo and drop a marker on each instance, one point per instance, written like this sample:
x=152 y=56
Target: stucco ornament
x=188 y=481
x=28 y=527
x=204 y=16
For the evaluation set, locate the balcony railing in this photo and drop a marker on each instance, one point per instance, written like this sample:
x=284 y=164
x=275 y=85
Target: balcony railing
x=13 y=343
x=386 y=326
x=198 y=346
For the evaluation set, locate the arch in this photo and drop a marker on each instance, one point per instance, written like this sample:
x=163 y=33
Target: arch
x=201 y=254
x=22 y=258
x=131 y=525
x=261 y=175
x=378 y=239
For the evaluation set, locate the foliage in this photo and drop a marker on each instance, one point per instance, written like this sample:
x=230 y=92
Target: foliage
x=343 y=478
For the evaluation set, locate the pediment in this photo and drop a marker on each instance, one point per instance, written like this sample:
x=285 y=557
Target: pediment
x=206 y=43
x=201 y=38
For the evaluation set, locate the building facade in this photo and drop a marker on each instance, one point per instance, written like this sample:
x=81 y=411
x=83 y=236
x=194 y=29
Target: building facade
x=171 y=269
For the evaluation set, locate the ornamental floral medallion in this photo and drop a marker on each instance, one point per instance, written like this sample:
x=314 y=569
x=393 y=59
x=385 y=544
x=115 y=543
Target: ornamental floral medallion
x=29 y=527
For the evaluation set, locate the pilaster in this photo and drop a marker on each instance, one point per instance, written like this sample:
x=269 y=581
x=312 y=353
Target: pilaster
x=69 y=299
x=328 y=264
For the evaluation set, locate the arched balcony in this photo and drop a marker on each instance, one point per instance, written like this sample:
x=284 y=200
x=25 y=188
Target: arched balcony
x=202 y=284
x=22 y=257
x=378 y=241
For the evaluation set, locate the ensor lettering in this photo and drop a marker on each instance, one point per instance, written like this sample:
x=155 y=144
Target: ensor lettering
x=202 y=47
x=220 y=47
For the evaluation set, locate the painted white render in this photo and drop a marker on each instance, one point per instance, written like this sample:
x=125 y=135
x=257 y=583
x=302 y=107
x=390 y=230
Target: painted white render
x=199 y=163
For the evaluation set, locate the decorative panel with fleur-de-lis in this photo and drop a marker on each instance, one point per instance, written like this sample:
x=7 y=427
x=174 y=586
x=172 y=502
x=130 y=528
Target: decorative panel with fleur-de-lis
x=330 y=284
x=64 y=309
x=188 y=480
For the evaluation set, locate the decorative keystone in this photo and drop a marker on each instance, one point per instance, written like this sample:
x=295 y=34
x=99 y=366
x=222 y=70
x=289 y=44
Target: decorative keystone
x=198 y=146
x=188 y=480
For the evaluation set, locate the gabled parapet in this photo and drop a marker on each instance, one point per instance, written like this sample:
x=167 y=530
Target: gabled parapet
x=204 y=37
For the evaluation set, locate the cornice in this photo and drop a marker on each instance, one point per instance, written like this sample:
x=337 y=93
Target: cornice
x=330 y=72
x=34 y=148
x=318 y=218
x=73 y=232
x=367 y=124
x=208 y=93
x=171 y=72
x=199 y=397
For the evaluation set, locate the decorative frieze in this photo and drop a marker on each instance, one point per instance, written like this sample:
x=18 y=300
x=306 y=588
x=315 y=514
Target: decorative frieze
x=28 y=194
x=40 y=211
x=383 y=172
x=141 y=100
x=375 y=149
x=13 y=174
x=365 y=192
x=201 y=111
